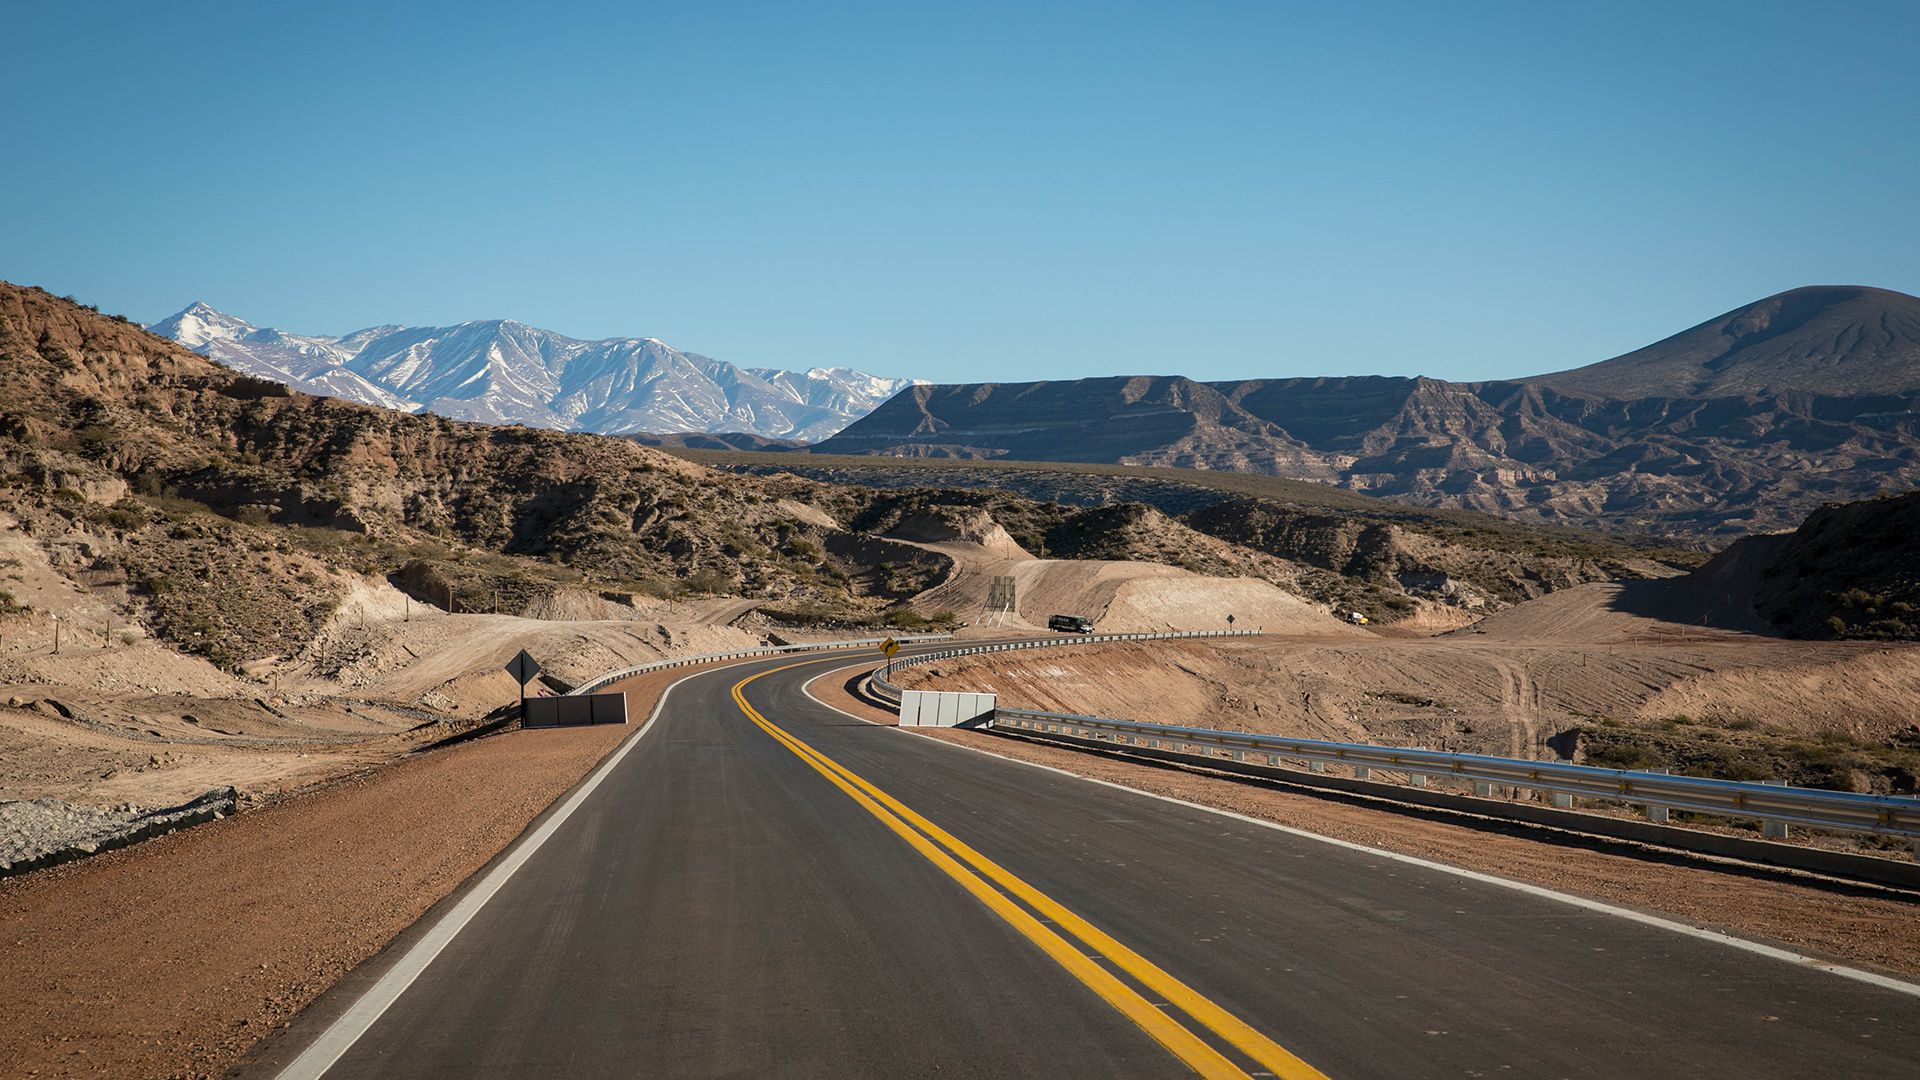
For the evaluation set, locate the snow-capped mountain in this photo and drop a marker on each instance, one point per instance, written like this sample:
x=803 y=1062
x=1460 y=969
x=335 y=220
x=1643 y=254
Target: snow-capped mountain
x=503 y=372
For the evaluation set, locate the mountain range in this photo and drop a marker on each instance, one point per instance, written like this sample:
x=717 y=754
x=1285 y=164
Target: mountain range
x=1746 y=422
x=504 y=372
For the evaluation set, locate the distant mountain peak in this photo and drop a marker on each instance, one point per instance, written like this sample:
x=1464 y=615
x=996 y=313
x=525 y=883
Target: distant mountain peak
x=505 y=371
x=200 y=323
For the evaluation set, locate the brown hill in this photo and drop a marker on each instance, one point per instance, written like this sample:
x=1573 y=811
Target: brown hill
x=1830 y=340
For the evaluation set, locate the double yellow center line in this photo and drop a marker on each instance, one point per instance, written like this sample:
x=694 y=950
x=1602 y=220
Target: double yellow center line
x=998 y=888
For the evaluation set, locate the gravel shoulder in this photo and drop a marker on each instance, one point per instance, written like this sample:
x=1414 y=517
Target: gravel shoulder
x=1861 y=925
x=171 y=958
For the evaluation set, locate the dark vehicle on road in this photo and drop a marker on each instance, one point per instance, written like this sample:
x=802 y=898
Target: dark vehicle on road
x=1070 y=624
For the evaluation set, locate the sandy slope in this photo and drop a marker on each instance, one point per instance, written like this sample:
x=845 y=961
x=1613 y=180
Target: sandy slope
x=107 y=721
x=1540 y=668
x=1118 y=596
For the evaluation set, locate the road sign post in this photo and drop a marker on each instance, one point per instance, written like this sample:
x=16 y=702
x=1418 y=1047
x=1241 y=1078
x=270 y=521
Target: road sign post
x=1000 y=597
x=523 y=668
x=889 y=647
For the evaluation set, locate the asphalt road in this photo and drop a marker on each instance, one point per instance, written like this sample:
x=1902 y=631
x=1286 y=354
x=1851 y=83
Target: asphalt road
x=805 y=894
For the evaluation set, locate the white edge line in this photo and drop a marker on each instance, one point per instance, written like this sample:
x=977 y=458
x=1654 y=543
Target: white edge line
x=324 y=1052
x=1884 y=982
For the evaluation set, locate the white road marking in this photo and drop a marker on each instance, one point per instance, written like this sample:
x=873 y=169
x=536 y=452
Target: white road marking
x=1884 y=982
x=333 y=1043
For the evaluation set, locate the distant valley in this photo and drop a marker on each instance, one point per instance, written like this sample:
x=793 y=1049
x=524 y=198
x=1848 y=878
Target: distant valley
x=1744 y=423
x=502 y=372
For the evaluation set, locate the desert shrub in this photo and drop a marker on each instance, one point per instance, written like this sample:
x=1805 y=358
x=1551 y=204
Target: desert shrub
x=9 y=604
x=708 y=581
x=1622 y=756
x=909 y=619
x=125 y=517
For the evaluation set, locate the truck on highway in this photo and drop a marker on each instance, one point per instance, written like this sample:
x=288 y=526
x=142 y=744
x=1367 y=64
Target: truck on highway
x=1070 y=624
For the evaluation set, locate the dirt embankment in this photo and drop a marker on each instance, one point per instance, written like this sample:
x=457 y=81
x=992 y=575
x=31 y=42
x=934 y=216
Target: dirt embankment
x=235 y=926
x=1120 y=597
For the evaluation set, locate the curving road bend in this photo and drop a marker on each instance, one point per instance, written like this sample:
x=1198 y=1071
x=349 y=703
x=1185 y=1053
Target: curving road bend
x=764 y=886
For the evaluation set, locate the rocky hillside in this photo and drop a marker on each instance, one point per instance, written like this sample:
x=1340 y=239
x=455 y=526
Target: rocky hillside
x=1850 y=571
x=1745 y=423
x=229 y=513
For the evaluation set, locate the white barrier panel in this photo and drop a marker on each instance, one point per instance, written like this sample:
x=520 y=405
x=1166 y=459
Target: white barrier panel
x=937 y=708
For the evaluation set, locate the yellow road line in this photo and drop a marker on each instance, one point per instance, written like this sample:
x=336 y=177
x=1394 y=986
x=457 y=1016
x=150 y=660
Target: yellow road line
x=896 y=815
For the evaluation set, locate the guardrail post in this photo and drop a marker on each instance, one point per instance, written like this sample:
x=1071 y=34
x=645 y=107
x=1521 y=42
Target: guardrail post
x=1561 y=800
x=1361 y=772
x=1774 y=830
x=1657 y=814
x=1483 y=789
x=1316 y=766
x=1417 y=779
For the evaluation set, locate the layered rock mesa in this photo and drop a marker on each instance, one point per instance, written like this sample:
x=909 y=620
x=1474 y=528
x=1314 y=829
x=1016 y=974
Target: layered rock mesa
x=1746 y=422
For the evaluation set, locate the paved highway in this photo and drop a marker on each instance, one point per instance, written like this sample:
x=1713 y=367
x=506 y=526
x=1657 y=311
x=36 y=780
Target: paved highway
x=765 y=887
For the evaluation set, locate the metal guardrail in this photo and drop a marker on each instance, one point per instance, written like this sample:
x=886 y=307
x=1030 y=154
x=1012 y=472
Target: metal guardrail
x=1775 y=804
x=738 y=654
x=891 y=693
x=1888 y=815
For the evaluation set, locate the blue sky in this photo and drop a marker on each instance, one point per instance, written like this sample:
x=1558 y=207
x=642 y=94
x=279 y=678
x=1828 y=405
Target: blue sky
x=970 y=192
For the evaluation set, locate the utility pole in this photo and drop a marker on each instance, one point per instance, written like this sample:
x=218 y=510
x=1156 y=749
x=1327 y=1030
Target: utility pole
x=56 y=635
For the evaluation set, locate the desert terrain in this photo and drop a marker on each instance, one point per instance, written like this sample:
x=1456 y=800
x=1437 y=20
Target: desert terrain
x=1581 y=674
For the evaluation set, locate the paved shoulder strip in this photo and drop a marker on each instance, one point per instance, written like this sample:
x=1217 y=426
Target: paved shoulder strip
x=338 y=1038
